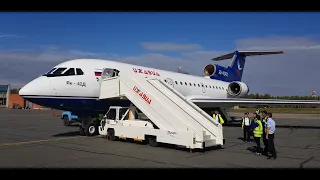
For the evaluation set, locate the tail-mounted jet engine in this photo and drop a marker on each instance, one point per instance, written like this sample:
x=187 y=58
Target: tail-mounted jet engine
x=238 y=89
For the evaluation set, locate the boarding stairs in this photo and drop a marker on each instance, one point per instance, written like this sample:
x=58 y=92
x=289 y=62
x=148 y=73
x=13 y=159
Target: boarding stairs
x=168 y=109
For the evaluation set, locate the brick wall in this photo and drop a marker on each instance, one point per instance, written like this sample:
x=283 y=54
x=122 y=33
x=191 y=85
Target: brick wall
x=16 y=99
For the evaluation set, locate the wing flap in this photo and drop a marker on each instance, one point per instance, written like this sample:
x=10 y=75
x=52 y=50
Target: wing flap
x=230 y=102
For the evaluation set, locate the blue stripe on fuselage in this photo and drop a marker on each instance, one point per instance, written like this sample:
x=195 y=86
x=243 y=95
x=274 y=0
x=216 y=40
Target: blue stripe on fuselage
x=80 y=105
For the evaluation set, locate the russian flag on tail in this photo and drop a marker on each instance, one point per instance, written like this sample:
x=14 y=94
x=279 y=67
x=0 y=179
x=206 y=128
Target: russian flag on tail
x=97 y=73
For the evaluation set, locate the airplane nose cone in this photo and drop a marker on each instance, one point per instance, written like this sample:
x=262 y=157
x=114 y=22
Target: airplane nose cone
x=39 y=86
x=23 y=91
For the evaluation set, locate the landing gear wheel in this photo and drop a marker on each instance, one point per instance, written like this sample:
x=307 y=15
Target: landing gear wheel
x=66 y=121
x=153 y=142
x=110 y=135
x=90 y=129
x=81 y=131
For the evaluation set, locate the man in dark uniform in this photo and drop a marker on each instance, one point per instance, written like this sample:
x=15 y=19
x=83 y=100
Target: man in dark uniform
x=264 y=139
x=115 y=73
x=246 y=127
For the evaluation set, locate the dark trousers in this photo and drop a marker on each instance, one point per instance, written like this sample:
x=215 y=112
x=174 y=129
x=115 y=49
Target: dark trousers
x=246 y=133
x=272 y=149
x=265 y=143
x=257 y=140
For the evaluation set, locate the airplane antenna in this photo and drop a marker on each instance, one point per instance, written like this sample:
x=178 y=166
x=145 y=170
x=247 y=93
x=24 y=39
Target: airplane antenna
x=179 y=70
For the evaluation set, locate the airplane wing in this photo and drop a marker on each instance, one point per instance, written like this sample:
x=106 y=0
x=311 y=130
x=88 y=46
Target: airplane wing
x=230 y=102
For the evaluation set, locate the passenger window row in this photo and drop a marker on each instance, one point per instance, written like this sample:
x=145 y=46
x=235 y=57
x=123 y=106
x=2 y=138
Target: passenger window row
x=199 y=85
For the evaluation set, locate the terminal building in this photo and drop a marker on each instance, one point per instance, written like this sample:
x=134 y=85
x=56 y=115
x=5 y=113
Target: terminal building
x=9 y=99
x=4 y=96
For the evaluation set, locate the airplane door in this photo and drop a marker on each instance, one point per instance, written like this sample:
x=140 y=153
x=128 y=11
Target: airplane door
x=170 y=82
x=203 y=87
x=106 y=73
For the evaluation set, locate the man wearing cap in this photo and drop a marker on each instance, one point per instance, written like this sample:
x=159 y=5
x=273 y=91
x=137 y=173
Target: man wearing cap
x=246 y=122
x=264 y=139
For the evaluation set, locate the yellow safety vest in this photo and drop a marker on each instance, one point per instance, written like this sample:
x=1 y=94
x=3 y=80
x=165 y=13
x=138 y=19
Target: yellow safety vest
x=264 y=119
x=243 y=121
x=257 y=132
x=100 y=116
x=221 y=121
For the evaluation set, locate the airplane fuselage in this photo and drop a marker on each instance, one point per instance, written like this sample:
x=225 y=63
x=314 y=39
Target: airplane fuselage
x=80 y=92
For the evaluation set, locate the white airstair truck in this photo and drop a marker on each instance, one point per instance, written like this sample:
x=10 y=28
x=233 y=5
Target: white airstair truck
x=172 y=118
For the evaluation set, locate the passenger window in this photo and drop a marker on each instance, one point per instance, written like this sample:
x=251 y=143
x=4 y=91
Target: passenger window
x=176 y=82
x=222 y=88
x=219 y=87
x=190 y=84
x=165 y=80
x=206 y=86
x=185 y=83
x=198 y=85
x=180 y=82
x=59 y=70
x=79 y=71
x=194 y=84
x=210 y=86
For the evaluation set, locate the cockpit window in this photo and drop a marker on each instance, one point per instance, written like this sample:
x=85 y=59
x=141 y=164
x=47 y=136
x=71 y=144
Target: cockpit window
x=59 y=71
x=79 y=71
x=51 y=70
x=69 y=72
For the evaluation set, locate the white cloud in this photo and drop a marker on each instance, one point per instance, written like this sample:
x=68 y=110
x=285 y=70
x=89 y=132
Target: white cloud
x=295 y=72
x=163 y=46
x=9 y=36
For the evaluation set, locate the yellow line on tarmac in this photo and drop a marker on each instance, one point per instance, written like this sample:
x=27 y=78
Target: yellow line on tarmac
x=37 y=141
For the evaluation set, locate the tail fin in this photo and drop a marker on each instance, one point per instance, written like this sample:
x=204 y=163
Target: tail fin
x=235 y=70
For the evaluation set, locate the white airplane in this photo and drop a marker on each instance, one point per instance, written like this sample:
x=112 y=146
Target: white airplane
x=74 y=85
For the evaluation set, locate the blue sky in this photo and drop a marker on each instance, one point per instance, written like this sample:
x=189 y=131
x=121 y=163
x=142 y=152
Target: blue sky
x=146 y=39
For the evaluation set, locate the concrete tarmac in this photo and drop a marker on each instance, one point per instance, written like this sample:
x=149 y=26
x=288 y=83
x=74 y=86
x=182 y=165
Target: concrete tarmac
x=36 y=138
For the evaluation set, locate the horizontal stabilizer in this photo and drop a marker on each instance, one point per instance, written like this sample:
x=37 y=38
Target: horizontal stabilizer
x=246 y=53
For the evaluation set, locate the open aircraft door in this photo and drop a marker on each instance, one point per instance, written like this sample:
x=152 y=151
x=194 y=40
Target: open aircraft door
x=106 y=73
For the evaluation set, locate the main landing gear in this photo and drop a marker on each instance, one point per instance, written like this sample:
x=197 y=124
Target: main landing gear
x=89 y=127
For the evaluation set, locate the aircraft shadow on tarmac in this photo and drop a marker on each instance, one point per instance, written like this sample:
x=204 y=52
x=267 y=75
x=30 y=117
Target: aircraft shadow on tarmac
x=163 y=145
x=67 y=134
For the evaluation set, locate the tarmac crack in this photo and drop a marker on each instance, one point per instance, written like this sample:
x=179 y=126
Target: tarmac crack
x=118 y=155
x=306 y=161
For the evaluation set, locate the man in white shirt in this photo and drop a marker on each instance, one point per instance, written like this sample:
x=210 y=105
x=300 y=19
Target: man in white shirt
x=271 y=128
x=246 y=122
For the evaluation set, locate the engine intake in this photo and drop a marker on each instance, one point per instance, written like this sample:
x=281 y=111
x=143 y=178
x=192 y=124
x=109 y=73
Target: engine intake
x=210 y=70
x=238 y=89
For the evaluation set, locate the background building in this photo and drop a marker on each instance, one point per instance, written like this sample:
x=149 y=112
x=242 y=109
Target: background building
x=4 y=95
x=9 y=98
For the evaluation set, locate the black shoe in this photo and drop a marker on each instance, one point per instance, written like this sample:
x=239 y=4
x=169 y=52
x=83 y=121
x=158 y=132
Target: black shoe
x=271 y=157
